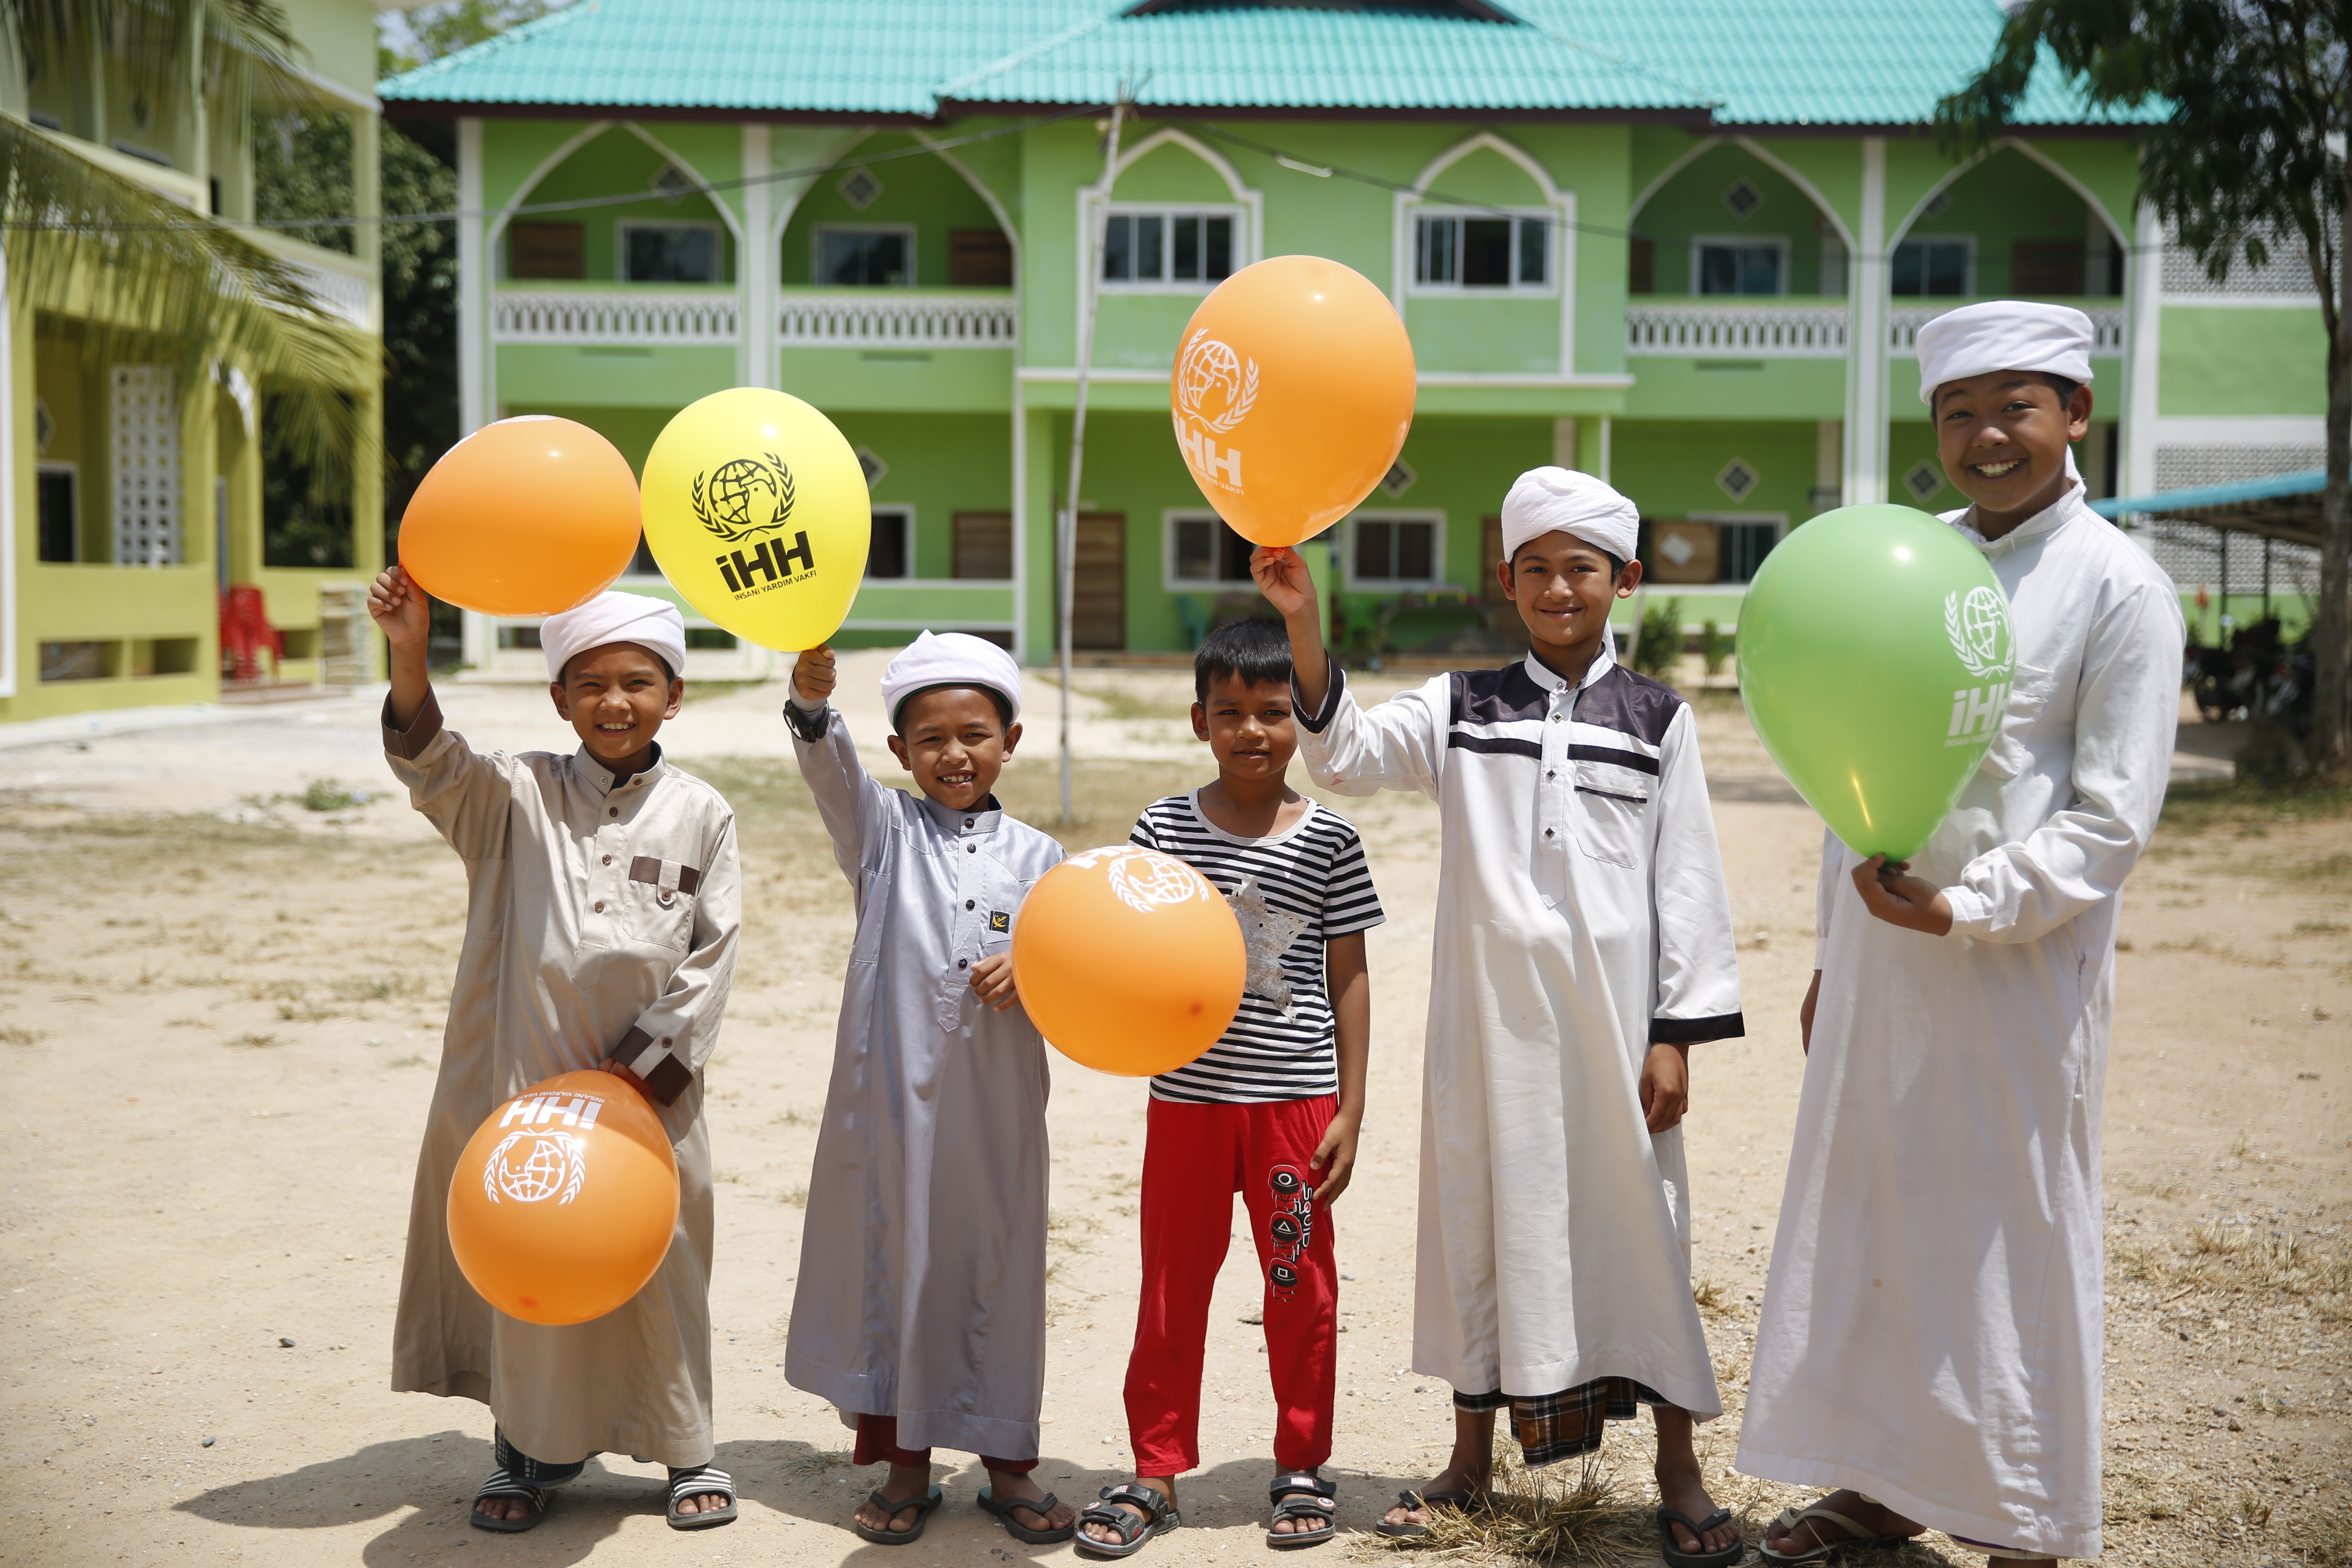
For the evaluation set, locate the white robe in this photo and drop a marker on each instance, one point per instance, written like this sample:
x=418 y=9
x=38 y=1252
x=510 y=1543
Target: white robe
x=1581 y=914
x=1931 y=1329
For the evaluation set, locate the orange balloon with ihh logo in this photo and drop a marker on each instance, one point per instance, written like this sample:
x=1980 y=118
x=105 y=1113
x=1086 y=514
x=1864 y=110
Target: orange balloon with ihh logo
x=1129 y=961
x=531 y=516
x=1292 y=395
x=565 y=1199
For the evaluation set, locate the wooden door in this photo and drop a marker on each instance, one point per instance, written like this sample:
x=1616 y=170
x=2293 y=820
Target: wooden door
x=983 y=545
x=1099 y=582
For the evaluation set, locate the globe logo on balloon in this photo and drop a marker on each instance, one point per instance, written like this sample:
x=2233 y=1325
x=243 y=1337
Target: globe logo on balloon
x=1977 y=626
x=730 y=503
x=1212 y=369
x=555 y=1162
x=1142 y=880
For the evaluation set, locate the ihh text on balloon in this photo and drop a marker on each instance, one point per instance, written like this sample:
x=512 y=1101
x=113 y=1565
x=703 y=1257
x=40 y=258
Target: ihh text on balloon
x=1977 y=711
x=1200 y=451
x=772 y=561
x=537 y=1111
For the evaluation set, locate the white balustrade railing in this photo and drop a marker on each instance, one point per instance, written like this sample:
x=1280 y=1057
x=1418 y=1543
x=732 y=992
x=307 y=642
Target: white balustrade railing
x=338 y=293
x=1755 y=331
x=627 y=315
x=913 y=321
x=1904 y=321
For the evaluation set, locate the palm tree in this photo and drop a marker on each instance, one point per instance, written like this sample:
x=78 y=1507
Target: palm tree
x=145 y=273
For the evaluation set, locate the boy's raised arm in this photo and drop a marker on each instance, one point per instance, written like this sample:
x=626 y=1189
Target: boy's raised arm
x=845 y=796
x=1283 y=577
x=404 y=615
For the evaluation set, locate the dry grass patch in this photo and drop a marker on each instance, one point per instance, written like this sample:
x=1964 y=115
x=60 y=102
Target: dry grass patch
x=1562 y=1517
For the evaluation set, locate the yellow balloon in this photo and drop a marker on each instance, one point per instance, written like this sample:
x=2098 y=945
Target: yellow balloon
x=757 y=512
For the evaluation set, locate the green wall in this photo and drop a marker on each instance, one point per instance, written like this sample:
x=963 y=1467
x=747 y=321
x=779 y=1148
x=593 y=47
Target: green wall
x=922 y=193
x=1668 y=466
x=617 y=160
x=2236 y=360
x=1692 y=203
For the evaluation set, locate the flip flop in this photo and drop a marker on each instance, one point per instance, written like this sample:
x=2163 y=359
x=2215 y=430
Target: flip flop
x=700 y=1481
x=886 y=1536
x=502 y=1486
x=1790 y=1518
x=1003 y=1512
x=1677 y=1558
x=1425 y=1501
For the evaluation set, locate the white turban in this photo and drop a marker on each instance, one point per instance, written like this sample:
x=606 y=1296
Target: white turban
x=654 y=625
x=2003 y=335
x=953 y=658
x=1545 y=499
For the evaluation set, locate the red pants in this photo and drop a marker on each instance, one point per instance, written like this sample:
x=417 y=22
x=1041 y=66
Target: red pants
x=878 y=1439
x=1194 y=1158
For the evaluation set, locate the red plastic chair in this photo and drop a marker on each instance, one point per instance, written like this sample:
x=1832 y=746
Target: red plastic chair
x=244 y=631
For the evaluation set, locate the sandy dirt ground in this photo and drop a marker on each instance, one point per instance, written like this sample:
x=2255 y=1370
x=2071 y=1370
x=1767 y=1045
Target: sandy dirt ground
x=221 y=1006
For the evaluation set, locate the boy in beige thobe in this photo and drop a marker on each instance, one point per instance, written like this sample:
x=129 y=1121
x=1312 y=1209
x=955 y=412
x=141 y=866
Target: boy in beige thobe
x=602 y=910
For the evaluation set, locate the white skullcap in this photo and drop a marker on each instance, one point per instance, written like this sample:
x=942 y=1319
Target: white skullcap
x=2003 y=335
x=950 y=659
x=1545 y=499
x=653 y=625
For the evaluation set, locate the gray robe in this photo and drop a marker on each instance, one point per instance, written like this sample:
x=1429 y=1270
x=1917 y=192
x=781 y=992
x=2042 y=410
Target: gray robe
x=922 y=1278
x=585 y=938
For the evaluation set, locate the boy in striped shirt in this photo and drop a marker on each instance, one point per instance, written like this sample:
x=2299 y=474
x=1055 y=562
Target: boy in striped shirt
x=1271 y=1110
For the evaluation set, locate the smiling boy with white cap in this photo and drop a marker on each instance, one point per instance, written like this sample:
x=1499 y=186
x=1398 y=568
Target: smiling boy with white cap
x=1582 y=945
x=602 y=910
x=920 y=1309
x=1931 y=1333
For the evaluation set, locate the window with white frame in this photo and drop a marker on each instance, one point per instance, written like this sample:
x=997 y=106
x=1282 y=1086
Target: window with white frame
x=1478 y=249
x=1169 y=246
x=868 y=256
x=892 y=554
x=669 y=252
x=1396 y=550
x=1203 y=554
x=1740 y=265
x=1936 y=265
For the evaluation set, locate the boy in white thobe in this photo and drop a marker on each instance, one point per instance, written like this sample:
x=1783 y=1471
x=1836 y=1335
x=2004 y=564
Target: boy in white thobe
x=1584 y=944
x=602 y=910
x=1931 y=1332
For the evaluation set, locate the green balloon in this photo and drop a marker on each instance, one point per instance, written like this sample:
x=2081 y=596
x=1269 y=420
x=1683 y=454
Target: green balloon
x=1875 y=657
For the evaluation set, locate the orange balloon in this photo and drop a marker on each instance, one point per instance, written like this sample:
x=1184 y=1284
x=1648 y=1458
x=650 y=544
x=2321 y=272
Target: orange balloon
x=531 y=516
x=565 y=1200
x=1292 y=395
x=1129 y=961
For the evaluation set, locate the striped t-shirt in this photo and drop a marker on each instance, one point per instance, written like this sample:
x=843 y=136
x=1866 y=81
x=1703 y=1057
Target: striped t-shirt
x=1293 y=892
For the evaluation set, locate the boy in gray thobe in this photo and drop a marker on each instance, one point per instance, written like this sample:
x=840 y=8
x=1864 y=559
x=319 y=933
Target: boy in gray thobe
x=920 y=1309
x=602 y=908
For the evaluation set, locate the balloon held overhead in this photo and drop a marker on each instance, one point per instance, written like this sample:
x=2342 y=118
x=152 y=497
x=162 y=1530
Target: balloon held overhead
x=531 y=516
x=758 y=513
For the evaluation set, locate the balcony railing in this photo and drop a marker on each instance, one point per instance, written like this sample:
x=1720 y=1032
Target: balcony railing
x=629 y=315
x=877 y=318
x=1758 y=330
x=1903 y=324
x=338 y=293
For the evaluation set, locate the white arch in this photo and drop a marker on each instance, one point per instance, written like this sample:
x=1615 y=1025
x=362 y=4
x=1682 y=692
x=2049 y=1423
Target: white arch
x=1488 y=140
x=2066 y=177
x=1130 y=156
x=787 y=207
x=1011 y=230
x=580 y=139
x=1811 y=191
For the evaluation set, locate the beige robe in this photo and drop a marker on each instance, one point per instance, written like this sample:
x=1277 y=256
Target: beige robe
x=585 y=938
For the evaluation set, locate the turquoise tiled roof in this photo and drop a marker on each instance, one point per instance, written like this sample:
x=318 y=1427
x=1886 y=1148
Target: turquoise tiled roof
x=1754 y=62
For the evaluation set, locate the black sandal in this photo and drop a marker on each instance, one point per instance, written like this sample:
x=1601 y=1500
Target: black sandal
x=1677 y=1558
x=1003 y=1512
x=502 y=1487
x=893 y=1508
x=1301 y=1494
x=1425 y=1501
x=1154 y=1515
x=701 y=1480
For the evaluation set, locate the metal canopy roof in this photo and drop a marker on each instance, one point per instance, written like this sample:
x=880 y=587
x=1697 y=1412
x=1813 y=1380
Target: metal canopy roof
x=2283 y=507
x=1818 y=63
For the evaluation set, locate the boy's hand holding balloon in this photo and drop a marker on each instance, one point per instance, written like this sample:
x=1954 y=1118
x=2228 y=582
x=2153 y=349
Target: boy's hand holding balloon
x=1899 y=899
x=399 y=607
x=814 y=675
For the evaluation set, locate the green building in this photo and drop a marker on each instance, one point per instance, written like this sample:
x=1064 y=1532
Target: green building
x=138 y=493
x=1682 y=244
